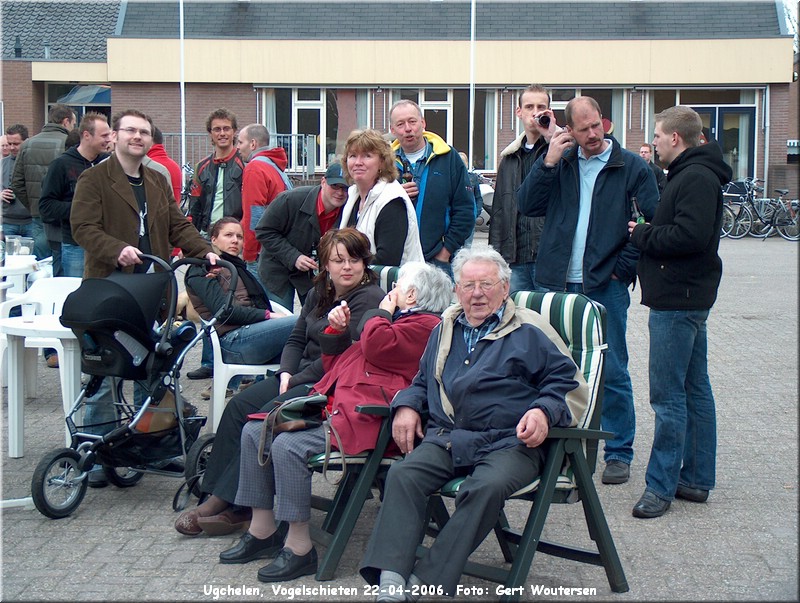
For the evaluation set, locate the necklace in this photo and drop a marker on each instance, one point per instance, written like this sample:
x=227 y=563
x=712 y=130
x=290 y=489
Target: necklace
x=136 y=180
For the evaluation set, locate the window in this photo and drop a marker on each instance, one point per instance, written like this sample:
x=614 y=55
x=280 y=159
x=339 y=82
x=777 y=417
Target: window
x=446 y=113
x=81 y=98
x=305 y=122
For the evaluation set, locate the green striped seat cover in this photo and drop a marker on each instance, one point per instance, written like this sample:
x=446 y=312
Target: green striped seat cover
x=387 y=275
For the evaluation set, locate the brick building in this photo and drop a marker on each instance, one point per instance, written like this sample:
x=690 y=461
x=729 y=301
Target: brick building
x=317 y=69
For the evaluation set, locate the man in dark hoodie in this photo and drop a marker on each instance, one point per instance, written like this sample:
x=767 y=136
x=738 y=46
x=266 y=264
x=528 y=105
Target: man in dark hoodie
x=58 y=185
x=680 y=271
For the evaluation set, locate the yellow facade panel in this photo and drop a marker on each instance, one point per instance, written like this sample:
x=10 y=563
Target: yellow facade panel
x=372 y=63
x=61 y=71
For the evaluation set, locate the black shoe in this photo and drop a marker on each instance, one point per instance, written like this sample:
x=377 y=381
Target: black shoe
x=249 y=548
x=649 y=506
x=616 y=472
x=693 y=494
x=97 y=479
x=288 y=566
x=204 y=372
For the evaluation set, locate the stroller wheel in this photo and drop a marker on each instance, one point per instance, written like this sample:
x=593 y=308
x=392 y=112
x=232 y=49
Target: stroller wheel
x=55 y=491
x=197 y=459
x=122 y=477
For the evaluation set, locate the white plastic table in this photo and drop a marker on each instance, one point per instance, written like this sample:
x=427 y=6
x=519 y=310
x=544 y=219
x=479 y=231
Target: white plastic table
x=17 y=266
x=16 y=331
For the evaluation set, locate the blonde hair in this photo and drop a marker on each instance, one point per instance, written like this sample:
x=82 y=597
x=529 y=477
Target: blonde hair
x=370 y=141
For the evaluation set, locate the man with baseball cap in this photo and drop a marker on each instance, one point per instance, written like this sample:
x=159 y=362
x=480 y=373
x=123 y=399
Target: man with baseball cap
x=289 y=232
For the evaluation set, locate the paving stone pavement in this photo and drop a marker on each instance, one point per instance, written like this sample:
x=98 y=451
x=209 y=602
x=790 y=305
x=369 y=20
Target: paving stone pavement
x=119 y=545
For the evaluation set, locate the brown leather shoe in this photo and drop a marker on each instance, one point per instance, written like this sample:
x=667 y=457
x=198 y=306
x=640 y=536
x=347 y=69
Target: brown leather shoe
x=187 y=525
x=52 y=361
x=227 y=522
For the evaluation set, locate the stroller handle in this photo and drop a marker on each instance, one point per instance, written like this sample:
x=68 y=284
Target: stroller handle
x=224 y=264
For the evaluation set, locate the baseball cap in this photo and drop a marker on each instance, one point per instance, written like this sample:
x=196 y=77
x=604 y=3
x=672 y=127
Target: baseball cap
x=334 y=175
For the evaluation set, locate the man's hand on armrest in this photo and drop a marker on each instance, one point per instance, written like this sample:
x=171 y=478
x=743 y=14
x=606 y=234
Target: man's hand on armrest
x=406 y=426
x=533 y=427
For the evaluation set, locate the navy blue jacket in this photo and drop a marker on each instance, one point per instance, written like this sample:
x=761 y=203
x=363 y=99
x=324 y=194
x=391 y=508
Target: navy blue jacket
x=447 y=214
x=520 y=365
x=680 y=268
x=555 y=193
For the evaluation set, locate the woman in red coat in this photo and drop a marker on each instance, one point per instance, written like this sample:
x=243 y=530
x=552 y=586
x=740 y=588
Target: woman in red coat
x=372 y=370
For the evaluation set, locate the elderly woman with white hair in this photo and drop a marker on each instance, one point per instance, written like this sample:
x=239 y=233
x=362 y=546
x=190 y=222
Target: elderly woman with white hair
x=371 y=370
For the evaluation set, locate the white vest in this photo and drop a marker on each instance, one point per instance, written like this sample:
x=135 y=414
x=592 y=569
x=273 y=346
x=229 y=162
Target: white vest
x=377 y=198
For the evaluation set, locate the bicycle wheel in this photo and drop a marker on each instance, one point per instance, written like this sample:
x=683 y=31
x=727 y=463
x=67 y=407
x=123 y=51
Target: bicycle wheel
x=787 y=224
x=122 y=477
x=54 y=489
x=742 y=221
x=727 y=222
x=197 y=459
x=763 y=218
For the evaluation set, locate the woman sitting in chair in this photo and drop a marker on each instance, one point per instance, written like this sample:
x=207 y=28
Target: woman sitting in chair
x=380 y=364
x=250 y=332
x=344 y=257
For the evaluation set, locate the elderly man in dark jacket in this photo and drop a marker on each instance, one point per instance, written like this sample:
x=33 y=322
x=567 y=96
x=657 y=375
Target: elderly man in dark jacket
x=680 y=271
x=494 y=379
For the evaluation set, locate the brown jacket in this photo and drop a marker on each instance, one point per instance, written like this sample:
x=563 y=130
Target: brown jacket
x=105 y=218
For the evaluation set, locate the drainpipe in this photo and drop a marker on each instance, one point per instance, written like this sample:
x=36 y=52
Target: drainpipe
x=766 y=140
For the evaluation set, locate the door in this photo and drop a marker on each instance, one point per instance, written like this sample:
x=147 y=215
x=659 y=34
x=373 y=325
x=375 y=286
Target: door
x=734 y=130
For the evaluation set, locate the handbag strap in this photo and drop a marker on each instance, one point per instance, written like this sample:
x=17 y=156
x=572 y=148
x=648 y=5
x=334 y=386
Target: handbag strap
x=267 y=433
x=330 y=429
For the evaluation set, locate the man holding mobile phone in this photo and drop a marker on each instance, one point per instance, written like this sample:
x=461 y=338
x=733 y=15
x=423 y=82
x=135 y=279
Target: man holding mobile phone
x=585 y=185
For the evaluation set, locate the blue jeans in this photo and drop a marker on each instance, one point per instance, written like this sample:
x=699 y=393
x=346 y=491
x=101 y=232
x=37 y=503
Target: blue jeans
x=685 y=438
x=523 y=277
x=22 y=230
x=72 y=260
x=286 y=300
x=448 y=269
x=41 y=247
x=258 y=343
x=618 y=415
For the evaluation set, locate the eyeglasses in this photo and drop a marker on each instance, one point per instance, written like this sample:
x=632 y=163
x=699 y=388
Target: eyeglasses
x=134 y=131
x=484 y=286
x=219 y=129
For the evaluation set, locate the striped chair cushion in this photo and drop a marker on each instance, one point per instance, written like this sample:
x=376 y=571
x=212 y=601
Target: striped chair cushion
x=387 y=276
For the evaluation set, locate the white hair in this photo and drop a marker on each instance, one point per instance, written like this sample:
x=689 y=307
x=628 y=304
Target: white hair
x=433 y=287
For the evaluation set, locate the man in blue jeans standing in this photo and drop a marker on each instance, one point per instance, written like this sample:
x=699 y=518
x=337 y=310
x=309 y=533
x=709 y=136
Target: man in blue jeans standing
x=587 y=186
x=680 y=272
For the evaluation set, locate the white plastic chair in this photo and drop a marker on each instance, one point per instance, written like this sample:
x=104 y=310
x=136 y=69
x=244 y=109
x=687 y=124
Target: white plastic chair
x=223 y=373
x=48 y=295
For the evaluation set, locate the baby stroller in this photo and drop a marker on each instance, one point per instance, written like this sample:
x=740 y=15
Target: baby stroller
x=115 y=322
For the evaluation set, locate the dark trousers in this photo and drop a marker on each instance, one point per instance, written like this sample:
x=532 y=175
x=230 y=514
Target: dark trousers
x=222 y=471
x=400 y=523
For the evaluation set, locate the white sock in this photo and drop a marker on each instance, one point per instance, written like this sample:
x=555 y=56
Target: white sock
x=391 y=587
x=413 y=581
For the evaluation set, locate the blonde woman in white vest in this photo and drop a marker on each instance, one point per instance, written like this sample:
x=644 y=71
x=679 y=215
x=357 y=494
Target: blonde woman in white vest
x=377 y=204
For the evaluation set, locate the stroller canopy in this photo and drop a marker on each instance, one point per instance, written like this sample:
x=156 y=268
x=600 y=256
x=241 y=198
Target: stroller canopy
x=129 y=302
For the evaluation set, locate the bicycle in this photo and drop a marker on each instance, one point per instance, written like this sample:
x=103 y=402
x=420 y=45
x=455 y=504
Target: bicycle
x=745 y=214
x=786 y=220
x=186 y=191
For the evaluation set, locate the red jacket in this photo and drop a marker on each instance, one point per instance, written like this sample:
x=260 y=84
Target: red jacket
x=261 y=183
x=385 y=358
x=159 y=154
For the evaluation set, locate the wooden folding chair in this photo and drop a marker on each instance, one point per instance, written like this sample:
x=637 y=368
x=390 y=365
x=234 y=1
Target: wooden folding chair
x=569 y=464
